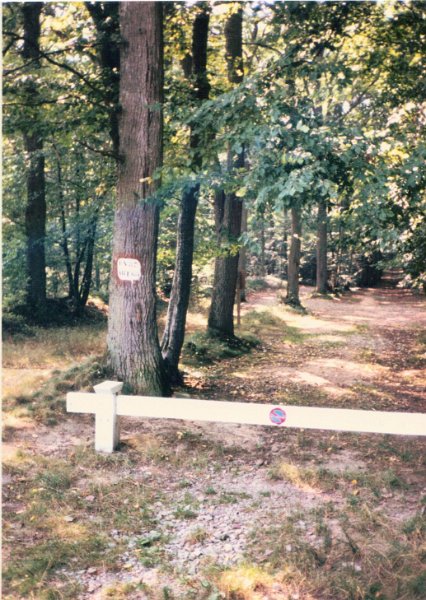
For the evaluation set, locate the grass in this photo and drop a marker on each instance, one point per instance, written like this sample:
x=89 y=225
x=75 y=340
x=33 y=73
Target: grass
x=124 y=591
x=204 y=348
x=150 y=549
x=358 y=536
x=50 y=348
x=45 y=536
x=40 y=369
x=245 y=582
x=64 y=521
x=421 y=339
x=231 y=497
x=187 y=508
x=46 y=403
x=197 y=535
x=375 y=483
x=302 y=477
x=339 y=555
x=262 y=322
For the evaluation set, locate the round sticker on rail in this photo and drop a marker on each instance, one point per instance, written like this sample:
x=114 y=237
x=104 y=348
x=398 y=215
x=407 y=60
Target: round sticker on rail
x=277 y=416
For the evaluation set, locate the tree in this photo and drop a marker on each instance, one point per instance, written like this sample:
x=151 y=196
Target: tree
x=105 y=18
x=321 y=284
x=47 y=98
x=81 y=210
x=174 y=331
x=228 y=206
x=329 y=113
x=133 y=346
x=35 y=212
x=294 y=258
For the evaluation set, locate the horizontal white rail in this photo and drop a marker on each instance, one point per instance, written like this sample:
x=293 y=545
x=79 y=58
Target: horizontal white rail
x=107 y=405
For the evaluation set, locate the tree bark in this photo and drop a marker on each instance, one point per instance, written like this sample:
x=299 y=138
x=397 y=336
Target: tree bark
x=322 y=286
x=134 y=351
x=284 y=264
x=35 y=211
x=294 y=258
x=105 y=18
x=262 y=266
x=64 y=239
x=174 y=332
x=242 y=261
x=228 y=208
x=86 y=282
x=221 y=316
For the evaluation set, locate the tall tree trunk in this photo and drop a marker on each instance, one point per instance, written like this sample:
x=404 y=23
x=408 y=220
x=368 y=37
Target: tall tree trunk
x=242 y=261
x=174 y=332
x=106 y=19
x=221 y=316
x=86 y=282
x=322 y=248
x=284 y=262
x=133 y=347
x=294 y=258
x=64 y=239
x=35 y=211
x=262 y=267
x=97 y=277
x=229 y=210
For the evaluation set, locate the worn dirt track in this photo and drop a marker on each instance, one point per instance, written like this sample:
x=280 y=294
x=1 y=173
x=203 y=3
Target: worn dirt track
x=362 y=350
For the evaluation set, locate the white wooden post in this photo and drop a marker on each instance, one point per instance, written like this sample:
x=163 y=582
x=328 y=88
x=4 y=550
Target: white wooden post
x=107 y=404
x=107 y=426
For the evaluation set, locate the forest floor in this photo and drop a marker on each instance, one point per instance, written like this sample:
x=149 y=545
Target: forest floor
x=211 y=511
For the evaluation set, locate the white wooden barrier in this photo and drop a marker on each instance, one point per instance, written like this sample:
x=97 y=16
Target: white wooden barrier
x=108 y=405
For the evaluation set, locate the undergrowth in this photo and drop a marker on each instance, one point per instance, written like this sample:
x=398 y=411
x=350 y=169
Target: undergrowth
x=349 y=554
x=47 y=404
x=204 y=348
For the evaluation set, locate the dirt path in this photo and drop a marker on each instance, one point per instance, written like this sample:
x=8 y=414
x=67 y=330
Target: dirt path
x=185 y=506
x=348 y=351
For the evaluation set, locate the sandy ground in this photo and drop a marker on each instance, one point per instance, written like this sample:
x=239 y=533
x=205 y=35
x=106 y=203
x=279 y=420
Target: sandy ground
x=361 y=350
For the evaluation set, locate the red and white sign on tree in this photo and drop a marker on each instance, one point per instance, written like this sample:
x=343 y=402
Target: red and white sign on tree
x=128 y=269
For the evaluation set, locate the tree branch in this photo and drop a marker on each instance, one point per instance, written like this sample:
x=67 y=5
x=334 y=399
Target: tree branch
x=47 y=57
x=101 y=151
x=263 y=45
x=8 y=47
x=359 y=99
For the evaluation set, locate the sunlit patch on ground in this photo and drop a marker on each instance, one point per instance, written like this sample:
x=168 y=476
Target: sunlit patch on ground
x=224 y=511
x=19 y=381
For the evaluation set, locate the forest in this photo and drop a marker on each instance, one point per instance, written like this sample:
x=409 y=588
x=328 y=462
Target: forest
x=219 y=200
x=278 y=138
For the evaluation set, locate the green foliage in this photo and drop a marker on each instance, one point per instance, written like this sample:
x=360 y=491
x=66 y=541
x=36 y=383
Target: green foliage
x=330 y=107
x=57 y=97
x=202 y=348
x=15 y=325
